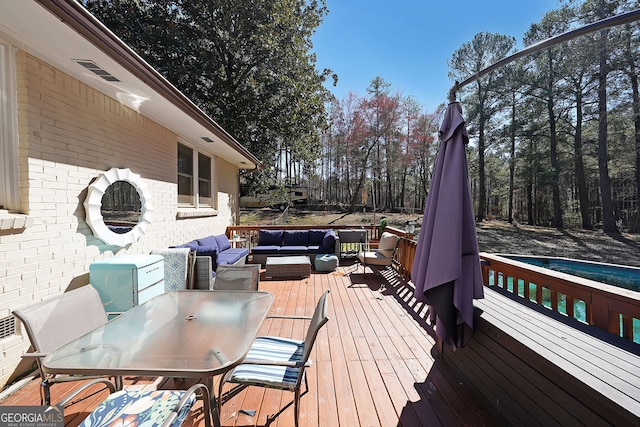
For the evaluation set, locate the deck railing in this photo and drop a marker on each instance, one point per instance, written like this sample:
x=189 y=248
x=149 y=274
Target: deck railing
x=403 y=259
x=604 y=306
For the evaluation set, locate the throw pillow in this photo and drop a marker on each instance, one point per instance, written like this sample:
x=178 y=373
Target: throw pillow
x=329 y=242
x=316 y=236
x=223 y=242
x=387 y=243
x=209 y=242
x=296 y=238
x=270 y=238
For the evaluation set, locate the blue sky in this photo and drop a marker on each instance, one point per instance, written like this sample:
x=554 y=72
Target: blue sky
x=408 y=42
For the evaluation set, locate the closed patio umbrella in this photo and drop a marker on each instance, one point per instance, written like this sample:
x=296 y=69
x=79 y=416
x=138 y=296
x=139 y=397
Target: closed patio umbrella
x=446 y=269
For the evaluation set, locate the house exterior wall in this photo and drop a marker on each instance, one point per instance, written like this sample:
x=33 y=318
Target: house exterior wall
x=68 y=134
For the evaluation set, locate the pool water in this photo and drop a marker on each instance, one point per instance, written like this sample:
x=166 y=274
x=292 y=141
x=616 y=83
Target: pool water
x=616 y=275
x=626 y=277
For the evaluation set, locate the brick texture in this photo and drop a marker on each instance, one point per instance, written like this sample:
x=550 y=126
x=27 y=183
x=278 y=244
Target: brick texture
x=70 y=133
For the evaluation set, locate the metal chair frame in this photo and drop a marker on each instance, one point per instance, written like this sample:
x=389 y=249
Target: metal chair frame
x=373 y=255
x=56 y=321
x=317 y=321
x=244 y=277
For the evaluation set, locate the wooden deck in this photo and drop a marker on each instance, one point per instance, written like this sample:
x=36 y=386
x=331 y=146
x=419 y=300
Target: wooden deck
x=374 y=363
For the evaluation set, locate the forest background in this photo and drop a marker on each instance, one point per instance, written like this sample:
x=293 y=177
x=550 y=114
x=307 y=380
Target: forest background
x=554 y=137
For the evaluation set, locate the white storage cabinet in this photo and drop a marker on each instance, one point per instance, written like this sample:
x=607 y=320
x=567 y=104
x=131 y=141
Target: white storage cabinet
x=127 y=280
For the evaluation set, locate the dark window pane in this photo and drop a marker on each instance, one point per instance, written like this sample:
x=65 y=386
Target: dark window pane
x=204 y=167
x=204 y=188
x=185 y=160
x=184 y=185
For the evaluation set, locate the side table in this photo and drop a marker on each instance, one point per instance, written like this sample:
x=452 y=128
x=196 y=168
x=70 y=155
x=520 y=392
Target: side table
x=237 y=242
x=288 y=266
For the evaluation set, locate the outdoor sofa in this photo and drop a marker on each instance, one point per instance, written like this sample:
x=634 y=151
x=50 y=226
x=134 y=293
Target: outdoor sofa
x=294 y=242
x=219 y=248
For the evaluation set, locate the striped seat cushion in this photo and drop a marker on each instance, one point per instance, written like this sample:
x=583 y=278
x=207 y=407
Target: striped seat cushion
x=272 y=349
x=134 y=408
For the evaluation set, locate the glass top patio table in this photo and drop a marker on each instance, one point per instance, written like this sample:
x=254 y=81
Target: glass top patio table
x=183 y=334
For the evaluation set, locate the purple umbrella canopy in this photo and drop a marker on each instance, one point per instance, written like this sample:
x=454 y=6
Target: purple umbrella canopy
x=446 y=269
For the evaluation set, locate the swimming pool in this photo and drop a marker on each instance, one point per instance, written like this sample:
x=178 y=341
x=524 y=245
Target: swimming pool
x=626 y=277
x=622 y=276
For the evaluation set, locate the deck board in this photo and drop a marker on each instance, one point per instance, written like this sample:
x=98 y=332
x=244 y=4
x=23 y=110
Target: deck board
x=373 y=362
x=537 y=368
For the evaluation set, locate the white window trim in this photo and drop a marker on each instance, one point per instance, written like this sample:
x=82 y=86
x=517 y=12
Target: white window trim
x=9 y=173
x=195 y=209
x=9 y=166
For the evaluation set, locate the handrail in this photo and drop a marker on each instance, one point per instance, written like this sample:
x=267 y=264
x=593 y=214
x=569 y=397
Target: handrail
x=613 y=21
x=606 y=307
x=403 y=258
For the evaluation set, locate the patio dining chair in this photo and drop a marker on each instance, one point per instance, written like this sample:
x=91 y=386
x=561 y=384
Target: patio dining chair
x=56 y=321
x=165 y=408
x=383 y=255
x=237 y=277
x=279 y=363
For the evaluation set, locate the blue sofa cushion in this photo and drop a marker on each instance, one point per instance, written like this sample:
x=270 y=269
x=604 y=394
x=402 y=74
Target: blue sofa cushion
x=232 y=255
x=329 y=242
x=209 y=242
x=295 y=238
x=266 y=249
x=223 y=242
x=294 y=250
x=316 y=236
x=270 y=238
x=314 y=249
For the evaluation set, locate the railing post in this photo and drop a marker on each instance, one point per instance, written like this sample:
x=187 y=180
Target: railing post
x=599 y=312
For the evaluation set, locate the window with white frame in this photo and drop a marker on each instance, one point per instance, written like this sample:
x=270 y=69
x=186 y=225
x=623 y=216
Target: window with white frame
x=9 y=190
x=204 y=180
x=195 y=184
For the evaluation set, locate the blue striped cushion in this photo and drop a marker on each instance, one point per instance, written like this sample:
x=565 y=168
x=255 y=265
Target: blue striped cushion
x=270 y=348
x=134 y=407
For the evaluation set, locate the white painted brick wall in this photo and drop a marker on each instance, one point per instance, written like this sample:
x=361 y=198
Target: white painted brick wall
x=69 y=134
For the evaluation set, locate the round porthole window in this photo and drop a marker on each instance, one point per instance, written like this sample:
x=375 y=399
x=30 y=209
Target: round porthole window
x=118 y=207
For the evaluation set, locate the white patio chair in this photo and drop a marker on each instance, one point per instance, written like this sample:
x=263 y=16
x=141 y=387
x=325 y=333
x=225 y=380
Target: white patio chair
x=56 y=321
x=237 y=277
x=383 y=256
x=280 y=363
x=165 y=408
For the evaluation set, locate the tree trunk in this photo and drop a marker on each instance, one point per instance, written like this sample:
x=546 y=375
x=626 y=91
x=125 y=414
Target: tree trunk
x=553 y=142
x=482 y=190
x=633 y=78
x=608 y=219
x=581 y=183
x=512 y=156
x=530 y=198
x=555 y=185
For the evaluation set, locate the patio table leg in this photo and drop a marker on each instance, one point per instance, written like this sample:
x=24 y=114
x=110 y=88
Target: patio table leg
x=215 y=415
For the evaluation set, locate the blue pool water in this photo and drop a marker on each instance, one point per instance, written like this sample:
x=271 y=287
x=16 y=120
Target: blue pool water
x=626 y=277
x=617 y=275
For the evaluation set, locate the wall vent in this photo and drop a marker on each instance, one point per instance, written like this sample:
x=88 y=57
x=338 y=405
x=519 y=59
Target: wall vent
x=96 y=69
x=7 y=327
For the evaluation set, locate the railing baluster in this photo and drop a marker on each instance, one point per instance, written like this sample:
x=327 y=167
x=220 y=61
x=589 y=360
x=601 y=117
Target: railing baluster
x=627 y=327
x=603 y=307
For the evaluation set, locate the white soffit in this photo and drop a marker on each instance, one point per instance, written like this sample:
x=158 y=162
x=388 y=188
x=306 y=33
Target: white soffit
x=32 y=28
